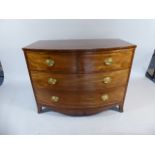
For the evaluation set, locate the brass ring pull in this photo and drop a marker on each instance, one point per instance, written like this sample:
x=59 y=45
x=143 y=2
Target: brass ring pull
x=54 y=98
x=52 y=81
x=105 y=97
x=108 y=61
x=49 y=62
x=107 y=80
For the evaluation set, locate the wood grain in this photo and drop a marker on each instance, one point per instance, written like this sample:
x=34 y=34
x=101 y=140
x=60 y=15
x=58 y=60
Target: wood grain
x=95 y=62
x=79 y=68
x=79 y=63
x=79 y=44
x=79 y=81
x=64 y=63
x=80 y=99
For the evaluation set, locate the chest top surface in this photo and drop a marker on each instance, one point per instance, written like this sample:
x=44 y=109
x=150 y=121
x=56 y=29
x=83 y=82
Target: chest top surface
x=79 y=44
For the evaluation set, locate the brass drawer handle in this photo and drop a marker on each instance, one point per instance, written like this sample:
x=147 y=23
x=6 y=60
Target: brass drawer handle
x=50 y=62
x=107 y=80
x=52 y=81
x=54 y=98
x=105 y=97
x=108 y=61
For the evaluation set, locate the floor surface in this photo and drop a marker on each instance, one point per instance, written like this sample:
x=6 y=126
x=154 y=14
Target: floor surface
x=18 y=113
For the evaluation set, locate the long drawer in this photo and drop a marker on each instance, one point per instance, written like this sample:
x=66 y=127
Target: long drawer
x=91 y=82
x=80 y=99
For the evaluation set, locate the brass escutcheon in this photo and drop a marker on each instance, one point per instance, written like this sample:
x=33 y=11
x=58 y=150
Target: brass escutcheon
x=49 y=62
x=54 y=98
x=108 y=61
x=107 y=80
x=105 y=97
x=52 y=81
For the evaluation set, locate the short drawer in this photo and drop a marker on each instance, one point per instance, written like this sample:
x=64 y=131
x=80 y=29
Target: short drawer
x=79 y=99
x=50 y=61
x=106 y=61
x=96 y=81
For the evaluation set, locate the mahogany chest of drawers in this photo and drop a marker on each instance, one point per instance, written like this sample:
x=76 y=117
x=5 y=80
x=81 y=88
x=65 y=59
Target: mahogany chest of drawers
x=79 y=77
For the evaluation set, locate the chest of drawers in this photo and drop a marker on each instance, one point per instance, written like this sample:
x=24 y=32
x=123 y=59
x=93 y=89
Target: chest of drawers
x=79 y=77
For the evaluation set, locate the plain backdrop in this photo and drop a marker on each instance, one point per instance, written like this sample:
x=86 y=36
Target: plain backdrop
x=15 y=34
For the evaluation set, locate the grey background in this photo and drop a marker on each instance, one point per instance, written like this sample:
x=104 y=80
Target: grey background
x=15 y=34
x=17 y=105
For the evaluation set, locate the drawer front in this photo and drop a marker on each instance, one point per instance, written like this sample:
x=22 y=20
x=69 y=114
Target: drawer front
x=48 y=61
x=96 y=81
x=107 y=61
x=79 y=99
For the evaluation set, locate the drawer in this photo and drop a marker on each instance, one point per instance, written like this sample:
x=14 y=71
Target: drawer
x=106 y=61
x=96 y=81
x=79 y=99
x=49 y=61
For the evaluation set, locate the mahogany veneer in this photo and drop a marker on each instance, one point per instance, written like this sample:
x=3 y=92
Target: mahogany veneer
x=79 y=77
